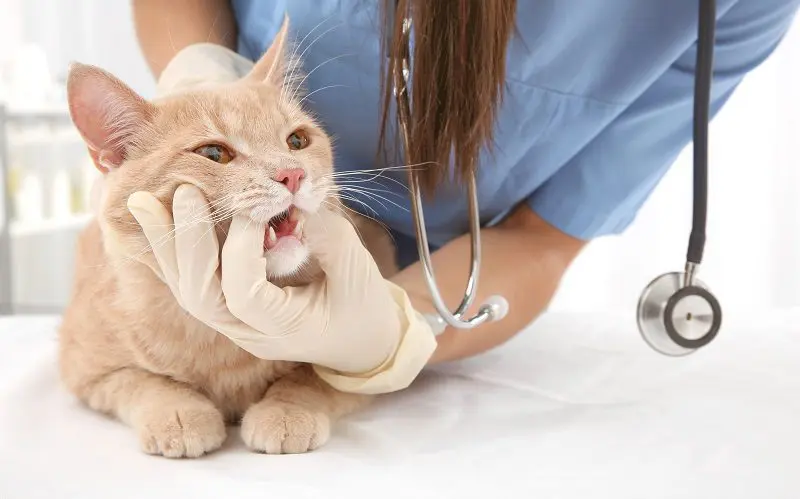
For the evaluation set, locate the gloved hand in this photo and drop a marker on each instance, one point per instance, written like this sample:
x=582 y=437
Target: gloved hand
x=358 y=329
x=202 y=64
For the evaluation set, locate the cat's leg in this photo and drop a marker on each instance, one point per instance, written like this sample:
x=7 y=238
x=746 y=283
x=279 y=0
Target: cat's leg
x=170 y=418
x=296 y=414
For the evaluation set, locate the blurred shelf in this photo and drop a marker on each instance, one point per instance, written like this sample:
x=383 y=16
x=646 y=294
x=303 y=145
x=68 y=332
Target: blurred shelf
x=31 y=137
x=24 y=229
x=50 y=115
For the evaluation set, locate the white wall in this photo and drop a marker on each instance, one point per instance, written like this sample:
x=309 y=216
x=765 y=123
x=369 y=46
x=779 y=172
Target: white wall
x=752 y=254
x=96 y=32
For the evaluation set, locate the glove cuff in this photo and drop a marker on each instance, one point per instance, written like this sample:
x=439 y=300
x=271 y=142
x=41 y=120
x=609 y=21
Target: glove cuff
x=202 y=64
x=416 y=346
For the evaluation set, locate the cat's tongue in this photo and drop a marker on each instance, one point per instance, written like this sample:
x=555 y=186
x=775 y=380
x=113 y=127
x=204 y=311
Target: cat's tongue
x=278 y=229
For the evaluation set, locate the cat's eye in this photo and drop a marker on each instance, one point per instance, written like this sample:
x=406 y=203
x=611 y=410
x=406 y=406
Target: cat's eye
x=298 y=140
x=215 y=152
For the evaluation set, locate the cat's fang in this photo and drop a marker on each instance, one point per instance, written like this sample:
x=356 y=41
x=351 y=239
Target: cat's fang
x=272 y=238
x=298 y=229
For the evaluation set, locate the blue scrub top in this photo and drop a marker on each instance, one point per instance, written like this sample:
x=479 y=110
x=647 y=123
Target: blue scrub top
x=598 y=102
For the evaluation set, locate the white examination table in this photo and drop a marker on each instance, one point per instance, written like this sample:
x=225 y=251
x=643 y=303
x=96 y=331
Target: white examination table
x=576 y=407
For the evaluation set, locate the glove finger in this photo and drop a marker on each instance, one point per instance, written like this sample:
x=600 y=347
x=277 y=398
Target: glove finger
x=248 y=293
x=157 y=224
x=341 y=254
x=197 y=251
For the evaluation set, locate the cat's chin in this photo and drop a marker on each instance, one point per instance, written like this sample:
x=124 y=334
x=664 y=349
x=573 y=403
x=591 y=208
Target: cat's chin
x=286 y=257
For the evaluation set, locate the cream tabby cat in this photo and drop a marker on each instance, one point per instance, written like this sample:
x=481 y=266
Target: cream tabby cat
x=126 y=347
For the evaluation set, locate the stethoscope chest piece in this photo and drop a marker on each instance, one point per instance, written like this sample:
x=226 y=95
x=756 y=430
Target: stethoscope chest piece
x=677 y=319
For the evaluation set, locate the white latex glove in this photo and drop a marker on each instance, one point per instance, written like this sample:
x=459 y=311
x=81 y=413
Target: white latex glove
x=358 y=329
x=202 y=64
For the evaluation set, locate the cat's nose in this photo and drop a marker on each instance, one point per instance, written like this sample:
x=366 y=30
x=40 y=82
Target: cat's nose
x=291 y=178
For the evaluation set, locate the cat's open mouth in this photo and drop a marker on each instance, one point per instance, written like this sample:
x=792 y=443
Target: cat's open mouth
x=287 y=224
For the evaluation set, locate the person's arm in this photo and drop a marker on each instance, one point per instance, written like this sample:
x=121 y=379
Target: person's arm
x=163 y=28
x=523 y=259
x=598 y=192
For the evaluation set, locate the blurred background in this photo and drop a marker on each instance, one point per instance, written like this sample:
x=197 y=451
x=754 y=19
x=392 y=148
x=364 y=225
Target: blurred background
x=753 y=252
x=46 y=167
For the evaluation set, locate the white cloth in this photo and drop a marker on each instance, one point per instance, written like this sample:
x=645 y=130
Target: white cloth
x=575 y=407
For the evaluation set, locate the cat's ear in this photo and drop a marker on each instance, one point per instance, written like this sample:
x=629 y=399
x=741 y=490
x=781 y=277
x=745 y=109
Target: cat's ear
x=272 y=66
x=106 y=112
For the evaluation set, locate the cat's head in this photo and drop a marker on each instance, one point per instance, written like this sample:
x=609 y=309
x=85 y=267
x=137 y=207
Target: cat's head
x=248 y=145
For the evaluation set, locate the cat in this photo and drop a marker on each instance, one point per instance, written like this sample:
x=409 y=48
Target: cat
x=126 y=348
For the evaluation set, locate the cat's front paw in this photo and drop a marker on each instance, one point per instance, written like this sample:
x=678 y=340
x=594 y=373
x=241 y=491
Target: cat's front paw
x=284 y=428
x=189 y=430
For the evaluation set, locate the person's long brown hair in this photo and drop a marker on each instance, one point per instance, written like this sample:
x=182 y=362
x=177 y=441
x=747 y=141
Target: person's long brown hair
x=459 y=64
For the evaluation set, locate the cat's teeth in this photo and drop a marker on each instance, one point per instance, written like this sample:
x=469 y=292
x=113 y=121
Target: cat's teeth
x=298 y=229
x=272 y=237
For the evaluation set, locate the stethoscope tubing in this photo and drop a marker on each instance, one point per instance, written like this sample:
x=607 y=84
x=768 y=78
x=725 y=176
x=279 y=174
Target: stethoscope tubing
x=489 y=310
x=663 y=294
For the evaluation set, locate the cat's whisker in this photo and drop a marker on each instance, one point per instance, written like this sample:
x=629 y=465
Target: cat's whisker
x=212 y=223
x=376 y=200
x=297 y=46
x=169 y=35
x=368 y=180
x=325 y=190
x=360 y=172
x=334 y=209
x=372 y=177
x=319 y=90
x=299 y=85
x=371 y=195
x=367 y=195
x=200 y=218
x=353 y=200
x=300 y=57
x=345 y=207
x=382 y=169
x=209 y=229
x=223 y=200
x=233 y=203
x=214 y=25
x=373 y=173
x=343 y=210
x=215 y=217
x=345 y=197
x=370 y=189
x=345 y=214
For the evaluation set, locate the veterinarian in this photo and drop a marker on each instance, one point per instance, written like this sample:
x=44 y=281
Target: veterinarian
x=571 y=112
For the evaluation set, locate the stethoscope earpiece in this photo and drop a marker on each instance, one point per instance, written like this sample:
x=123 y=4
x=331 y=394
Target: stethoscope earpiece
x=496 y=306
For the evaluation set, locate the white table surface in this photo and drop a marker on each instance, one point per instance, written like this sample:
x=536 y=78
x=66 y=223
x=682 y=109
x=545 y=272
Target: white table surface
x=575 y=407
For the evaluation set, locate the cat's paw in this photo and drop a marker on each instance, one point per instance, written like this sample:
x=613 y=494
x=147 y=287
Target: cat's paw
x=188 y=430
x=284 y=428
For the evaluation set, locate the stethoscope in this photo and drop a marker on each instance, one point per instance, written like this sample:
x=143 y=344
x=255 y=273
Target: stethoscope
x=676 y=313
